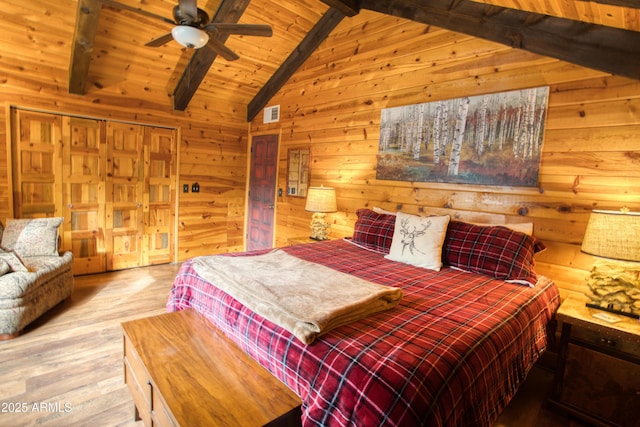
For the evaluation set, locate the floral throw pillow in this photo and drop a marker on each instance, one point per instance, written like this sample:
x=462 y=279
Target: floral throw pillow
x=32 y=237
x=4 y=267
x=417 y=240
x=13 y=261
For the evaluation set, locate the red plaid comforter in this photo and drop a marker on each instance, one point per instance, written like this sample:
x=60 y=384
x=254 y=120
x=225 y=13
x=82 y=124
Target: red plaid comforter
x=452 y=353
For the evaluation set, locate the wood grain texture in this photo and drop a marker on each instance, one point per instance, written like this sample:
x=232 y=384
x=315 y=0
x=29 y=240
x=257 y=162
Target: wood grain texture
x=606 y=12
x=577 y=42
x=333 y=104
x=229 y=11
x=70 y=360
x=129 y=82
x=73 y=356
x=304 y=50
x=203 y=377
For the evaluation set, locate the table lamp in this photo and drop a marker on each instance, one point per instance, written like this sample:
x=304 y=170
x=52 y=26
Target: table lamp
x=320 y=201
x=614 y=284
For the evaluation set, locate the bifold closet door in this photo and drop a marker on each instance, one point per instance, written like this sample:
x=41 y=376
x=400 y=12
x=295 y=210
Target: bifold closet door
x=124 y=195
x=114 y=184
x=160 y=196
x=36 y=167
x=83 y=177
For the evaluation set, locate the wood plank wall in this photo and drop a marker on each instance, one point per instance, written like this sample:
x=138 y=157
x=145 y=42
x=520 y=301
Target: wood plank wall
x=34 y=39
x=211 y=154
x=333 y=104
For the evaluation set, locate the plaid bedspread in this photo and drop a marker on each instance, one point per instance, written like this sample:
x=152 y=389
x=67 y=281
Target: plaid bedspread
x=452 y=353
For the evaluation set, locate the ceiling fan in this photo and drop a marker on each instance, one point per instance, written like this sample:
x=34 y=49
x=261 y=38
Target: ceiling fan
x=194 y=30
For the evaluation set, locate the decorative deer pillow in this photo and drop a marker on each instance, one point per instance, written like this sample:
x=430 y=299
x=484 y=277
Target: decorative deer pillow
x=418 y=240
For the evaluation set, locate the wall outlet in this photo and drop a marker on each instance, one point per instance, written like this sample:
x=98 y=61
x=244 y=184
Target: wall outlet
x=195 y=188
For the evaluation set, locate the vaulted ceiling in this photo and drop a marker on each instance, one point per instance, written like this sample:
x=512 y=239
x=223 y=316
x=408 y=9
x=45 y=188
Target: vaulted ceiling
x=110 y=36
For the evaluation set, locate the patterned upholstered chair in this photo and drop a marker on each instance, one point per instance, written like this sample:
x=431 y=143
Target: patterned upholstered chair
x=34 y=277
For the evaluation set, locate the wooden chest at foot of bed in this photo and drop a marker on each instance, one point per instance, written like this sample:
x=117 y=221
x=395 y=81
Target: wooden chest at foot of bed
x=182 y=371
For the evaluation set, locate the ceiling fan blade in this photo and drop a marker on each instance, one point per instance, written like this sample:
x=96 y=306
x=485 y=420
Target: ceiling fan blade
x=189 y=8
x=241 y=29
x=221 y=49
x=157 y=42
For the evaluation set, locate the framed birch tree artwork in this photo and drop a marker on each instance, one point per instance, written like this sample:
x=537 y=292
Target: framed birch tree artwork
x=491 y=139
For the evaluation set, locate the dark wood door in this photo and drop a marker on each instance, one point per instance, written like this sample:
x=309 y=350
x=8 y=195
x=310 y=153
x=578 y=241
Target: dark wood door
x=262 y=191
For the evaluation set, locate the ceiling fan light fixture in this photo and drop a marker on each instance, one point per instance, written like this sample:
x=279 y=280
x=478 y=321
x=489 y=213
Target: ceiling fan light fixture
x=189 y=36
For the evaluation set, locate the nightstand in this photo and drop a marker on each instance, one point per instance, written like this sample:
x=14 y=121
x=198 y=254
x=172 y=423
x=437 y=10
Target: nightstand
x=598 y=373
x=292 y=241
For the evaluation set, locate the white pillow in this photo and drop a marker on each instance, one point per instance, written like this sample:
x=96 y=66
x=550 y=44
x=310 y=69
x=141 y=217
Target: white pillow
x=417 y=240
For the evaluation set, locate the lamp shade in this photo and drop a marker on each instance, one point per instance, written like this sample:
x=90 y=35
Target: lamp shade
x=321 y=199
x=190 y=37
x=613 y=234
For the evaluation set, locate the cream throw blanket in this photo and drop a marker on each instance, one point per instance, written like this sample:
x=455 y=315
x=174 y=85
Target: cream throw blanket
x=305 y=298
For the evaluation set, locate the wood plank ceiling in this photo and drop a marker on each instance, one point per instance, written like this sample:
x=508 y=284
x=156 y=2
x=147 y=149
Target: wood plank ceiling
x=109 y=40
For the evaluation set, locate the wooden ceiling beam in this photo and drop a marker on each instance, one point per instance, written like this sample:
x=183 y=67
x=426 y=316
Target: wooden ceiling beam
x=229 y=11
x=84 y=37
x=296 y=58
x=82 y=46
x=608 y=49
x=347 y=7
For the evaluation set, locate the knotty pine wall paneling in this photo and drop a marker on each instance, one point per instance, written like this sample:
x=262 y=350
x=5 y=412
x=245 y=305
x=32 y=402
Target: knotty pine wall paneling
x=333 y=104
x=129 y=82
x=214 y=156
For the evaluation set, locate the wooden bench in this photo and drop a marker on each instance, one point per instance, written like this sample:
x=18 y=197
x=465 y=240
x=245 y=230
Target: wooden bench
x=181 y=370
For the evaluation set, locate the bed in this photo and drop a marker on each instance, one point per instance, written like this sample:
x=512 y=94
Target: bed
x=451 y=353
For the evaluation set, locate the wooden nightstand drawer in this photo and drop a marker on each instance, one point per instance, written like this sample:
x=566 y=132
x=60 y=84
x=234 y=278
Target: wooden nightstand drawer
x=598 y=372
x=608 y=386
x=607 y=341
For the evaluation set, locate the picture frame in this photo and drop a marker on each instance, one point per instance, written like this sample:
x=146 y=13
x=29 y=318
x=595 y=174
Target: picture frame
x=491 y=139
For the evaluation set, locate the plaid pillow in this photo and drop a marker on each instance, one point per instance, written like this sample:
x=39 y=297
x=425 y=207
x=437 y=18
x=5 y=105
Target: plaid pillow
x=374 y=231
x=496 y=251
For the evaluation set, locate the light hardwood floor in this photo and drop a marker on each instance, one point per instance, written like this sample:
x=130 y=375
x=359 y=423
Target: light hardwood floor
x=66 y=369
